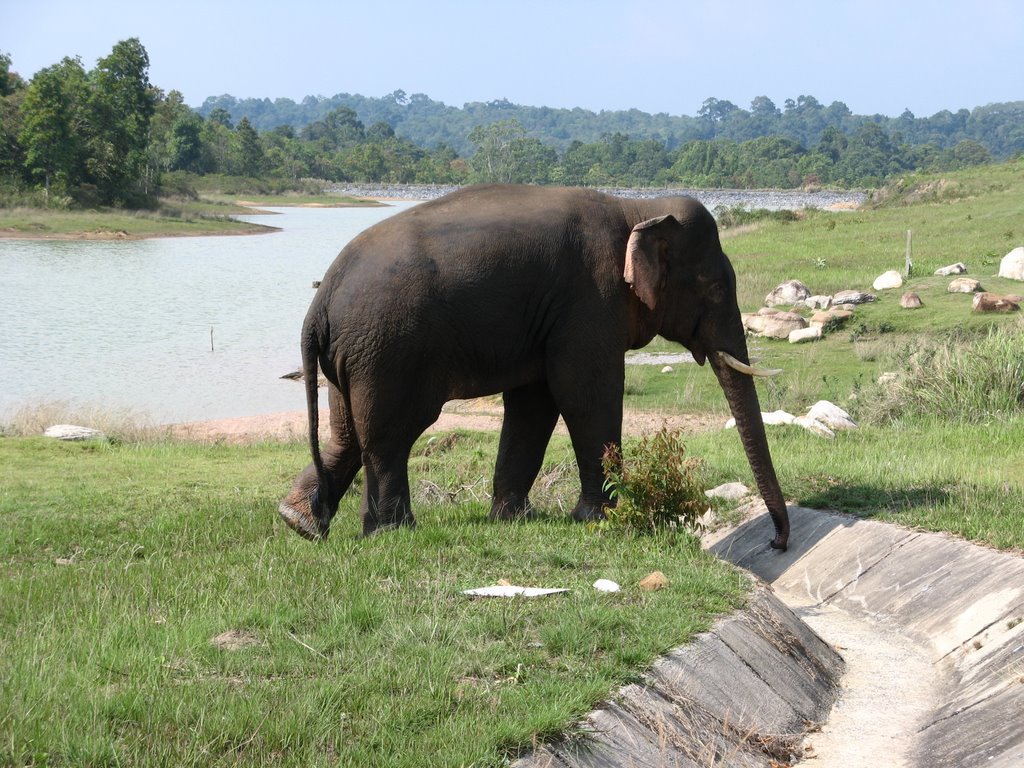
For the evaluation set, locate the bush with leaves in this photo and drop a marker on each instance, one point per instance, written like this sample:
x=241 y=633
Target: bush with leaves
x=658 y=488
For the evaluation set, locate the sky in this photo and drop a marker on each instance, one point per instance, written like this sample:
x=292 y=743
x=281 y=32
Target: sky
x=876 y=56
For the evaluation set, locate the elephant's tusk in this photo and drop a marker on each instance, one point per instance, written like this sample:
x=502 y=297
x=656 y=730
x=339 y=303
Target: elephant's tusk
x=750 y=370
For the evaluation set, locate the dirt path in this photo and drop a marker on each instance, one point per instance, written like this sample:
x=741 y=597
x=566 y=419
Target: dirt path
x=483 y=414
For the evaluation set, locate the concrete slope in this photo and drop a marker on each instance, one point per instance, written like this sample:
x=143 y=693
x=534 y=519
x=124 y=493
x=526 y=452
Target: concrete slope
x=742 y=694
x=928 y=615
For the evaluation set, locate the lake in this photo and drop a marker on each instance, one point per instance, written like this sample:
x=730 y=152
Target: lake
x=127 y=324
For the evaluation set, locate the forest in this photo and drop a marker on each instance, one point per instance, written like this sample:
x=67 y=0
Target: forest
x=107 y=136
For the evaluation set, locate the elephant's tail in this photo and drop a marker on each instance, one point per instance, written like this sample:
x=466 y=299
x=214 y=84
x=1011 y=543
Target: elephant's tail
x=311 y=349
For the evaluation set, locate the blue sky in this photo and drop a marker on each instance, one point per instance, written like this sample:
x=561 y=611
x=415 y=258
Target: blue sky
x=876 y=56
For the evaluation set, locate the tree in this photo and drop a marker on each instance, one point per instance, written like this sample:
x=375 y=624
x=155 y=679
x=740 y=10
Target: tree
x=52 y=115
x=121 y=104
x=340 y=128
x=493 y=159
x=249 y=149
x=12 y=93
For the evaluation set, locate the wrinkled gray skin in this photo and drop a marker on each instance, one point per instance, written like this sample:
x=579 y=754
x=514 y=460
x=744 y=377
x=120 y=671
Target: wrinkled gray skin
x=521 y=290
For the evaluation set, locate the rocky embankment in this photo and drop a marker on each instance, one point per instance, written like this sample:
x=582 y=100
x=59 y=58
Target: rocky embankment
x=769 y=199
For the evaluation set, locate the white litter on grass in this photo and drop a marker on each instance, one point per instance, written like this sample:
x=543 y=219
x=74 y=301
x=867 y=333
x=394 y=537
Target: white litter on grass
x=510 y=590
x=606 y=585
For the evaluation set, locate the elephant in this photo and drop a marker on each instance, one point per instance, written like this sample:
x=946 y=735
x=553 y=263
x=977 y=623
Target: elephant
x=532 y=292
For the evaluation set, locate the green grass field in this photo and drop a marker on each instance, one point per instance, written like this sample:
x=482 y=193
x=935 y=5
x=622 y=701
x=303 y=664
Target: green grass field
x=126 y=562
x=123 y=563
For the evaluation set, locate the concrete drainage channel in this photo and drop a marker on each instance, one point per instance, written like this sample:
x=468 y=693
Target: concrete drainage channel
x=865 y=644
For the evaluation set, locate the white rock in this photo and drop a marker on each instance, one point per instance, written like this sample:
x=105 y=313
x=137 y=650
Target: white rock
x=73 y=432
x=886 y=280
x=667 y=369
x=780 y=325
x=1012 y=265
x=778 y=417
x=787 y=294
x=964 y=285
x=953 y=269
x=831 y=415
x=606 y=585
x=818 y=302
x=805 y=334
x=813 y=425
x=774 y=418
x=728 y=491
x=853 y=297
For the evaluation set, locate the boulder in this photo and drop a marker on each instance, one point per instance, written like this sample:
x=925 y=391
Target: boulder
x=823 y=419
x=953 y=269
x=887 y=280
x=911 y=300
x=813 y=425
x=781 y=325
x=832 y=317
x=818 y=302
x=787 y=294
x=964 y=285
x=754 y=323
x=773 y=419
x=853 y=297
x=831 y=415
x=73 y=432
x=1012 y=265
x=728 y=491
x=812 y=333
x=990 y=302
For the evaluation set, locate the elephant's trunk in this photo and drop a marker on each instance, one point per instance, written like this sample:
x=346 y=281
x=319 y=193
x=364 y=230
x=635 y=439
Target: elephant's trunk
x=742 y=396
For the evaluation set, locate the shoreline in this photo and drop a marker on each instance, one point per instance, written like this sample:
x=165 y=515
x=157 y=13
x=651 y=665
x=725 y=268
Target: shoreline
x=374 y=196
x=481 y=415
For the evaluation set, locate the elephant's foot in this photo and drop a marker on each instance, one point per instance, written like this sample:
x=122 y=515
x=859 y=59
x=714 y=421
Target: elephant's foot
x=382 y=528
x=589 y=511
x=374 y=524
x=509 y=508
x=301 y=520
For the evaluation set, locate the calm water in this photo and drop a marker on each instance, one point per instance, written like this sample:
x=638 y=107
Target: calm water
x=127 y=324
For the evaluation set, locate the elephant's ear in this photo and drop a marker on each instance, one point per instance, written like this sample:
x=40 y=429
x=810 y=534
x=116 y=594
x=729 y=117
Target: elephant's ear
x=645 y=258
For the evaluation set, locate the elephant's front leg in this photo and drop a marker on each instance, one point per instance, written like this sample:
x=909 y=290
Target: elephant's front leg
x=530 y=417
x=386 y=501
x=590 y=400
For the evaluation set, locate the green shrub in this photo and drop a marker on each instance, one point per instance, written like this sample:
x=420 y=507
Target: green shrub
x=965 y=377
x=738 y=215
x=659 y=488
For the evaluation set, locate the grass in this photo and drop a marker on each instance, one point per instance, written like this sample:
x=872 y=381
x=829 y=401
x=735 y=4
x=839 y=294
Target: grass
x=832 y=251
x=123 y=563
x=206 y=213
x=173 y=220
x=932 y=475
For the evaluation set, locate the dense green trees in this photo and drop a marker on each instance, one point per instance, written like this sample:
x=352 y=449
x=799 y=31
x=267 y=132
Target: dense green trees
x=107 y=136
x=87 y=134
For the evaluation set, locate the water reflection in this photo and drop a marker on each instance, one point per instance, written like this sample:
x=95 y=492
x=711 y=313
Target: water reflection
x=127 y=324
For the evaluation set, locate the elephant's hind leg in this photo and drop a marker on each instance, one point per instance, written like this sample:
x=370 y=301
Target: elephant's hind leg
x=530 y=417
x=309 y=508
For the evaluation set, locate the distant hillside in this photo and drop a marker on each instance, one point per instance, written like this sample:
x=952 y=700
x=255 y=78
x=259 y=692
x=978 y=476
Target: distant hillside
x=428 y=123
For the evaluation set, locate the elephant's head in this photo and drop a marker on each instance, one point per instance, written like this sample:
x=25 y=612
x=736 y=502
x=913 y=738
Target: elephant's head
x=676 y=266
